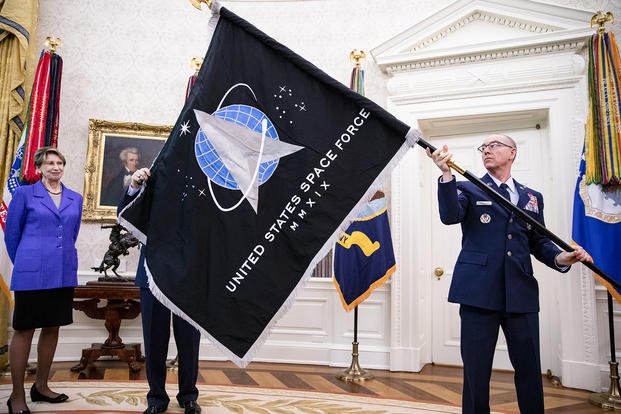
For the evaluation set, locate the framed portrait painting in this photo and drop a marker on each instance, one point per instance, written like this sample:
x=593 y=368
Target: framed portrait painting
x=115 y=151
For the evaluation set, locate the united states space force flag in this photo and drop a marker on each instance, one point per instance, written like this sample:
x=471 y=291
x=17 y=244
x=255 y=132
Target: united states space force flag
x=268 y=162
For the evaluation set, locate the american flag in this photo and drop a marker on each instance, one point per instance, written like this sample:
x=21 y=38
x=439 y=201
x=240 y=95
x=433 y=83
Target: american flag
x=14 y=181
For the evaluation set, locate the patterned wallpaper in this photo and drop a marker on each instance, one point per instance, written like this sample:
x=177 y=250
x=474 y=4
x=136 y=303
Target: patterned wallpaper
x=129 y=60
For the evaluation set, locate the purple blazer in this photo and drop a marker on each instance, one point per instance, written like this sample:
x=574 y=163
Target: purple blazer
x=40 y=238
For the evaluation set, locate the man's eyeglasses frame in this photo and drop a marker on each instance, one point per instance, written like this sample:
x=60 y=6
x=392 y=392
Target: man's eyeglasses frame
x=493 y=145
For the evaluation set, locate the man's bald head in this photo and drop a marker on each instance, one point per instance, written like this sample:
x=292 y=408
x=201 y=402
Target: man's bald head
x=505 y=139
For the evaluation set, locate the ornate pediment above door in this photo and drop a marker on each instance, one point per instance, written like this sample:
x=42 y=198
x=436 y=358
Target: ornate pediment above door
x=470 y=31
x=486 y=46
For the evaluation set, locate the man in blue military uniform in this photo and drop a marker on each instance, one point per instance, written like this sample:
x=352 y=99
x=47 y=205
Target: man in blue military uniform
x=156 y=333
x=493 y=278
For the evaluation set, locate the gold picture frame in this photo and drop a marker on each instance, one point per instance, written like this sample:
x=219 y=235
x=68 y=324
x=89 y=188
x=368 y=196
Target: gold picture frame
x=107 y=140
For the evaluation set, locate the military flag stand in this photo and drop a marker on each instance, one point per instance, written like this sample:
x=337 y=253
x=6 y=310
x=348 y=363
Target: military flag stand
x=355 y=372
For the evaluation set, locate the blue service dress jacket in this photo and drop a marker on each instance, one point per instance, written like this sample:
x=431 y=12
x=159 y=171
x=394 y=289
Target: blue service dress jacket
x=40 y=238
x=494 y=269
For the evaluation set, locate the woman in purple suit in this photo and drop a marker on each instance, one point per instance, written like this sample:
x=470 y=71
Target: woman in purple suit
x=42 y=226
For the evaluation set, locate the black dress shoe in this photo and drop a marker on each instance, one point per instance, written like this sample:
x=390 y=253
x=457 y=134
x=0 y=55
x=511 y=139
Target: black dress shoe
x=155 y=409
x=8 y=404
x=35 y=396
x=190 y=407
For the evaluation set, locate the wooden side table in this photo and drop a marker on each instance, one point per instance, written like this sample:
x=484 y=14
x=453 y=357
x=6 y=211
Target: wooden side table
x=121 y=303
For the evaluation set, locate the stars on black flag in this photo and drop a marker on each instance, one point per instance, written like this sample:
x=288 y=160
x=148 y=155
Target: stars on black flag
x=286 y=104
x=185 y=127
x=189 y=189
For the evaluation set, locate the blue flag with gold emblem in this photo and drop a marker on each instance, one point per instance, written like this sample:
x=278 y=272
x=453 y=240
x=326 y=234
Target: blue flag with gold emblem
x=269 y=160
x=597 y=226
x=363 y=257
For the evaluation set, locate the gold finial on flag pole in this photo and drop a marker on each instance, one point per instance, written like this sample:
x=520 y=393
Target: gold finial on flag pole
x=356 y=56
x=197 y=3
x=600 y=19
x=196 y=63
x=52 y=42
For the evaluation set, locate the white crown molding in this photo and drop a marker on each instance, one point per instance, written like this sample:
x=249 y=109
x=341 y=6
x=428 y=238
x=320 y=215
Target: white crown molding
x=536 y=28
x=483 y=53
x=558 y=70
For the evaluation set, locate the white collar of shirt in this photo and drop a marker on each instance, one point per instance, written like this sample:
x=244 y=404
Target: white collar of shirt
x=513 y=194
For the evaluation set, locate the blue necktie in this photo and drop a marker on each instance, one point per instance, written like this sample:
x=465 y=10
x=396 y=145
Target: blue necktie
x=504 y=191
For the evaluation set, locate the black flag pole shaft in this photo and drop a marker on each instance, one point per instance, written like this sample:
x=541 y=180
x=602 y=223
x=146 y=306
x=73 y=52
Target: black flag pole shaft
x=521 y=214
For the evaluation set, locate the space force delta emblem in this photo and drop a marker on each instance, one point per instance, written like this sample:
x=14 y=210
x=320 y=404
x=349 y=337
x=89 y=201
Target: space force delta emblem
x=268 y=159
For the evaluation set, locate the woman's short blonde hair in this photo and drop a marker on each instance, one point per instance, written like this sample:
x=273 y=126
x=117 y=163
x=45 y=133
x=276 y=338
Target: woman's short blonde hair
x=41 y=155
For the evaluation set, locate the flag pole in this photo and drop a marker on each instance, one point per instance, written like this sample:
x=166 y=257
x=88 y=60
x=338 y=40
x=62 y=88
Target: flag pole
x=355 y=372
x=531 y=222
x=612 y=399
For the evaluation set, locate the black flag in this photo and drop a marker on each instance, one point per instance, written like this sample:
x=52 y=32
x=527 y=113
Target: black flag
x=266 y=165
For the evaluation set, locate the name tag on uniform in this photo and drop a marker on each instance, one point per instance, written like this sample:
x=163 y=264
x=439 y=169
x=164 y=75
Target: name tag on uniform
x=484 y=203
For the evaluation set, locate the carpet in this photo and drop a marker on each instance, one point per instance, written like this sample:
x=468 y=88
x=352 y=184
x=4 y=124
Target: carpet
x=120 y=397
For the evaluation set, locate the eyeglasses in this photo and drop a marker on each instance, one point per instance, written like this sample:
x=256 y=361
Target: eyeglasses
x=493 y=145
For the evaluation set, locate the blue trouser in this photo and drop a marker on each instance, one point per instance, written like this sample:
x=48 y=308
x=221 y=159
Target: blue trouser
x=479 y=334
x=156 y=332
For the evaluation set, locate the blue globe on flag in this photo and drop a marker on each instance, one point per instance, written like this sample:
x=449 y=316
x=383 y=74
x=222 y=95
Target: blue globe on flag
x=207 y=156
